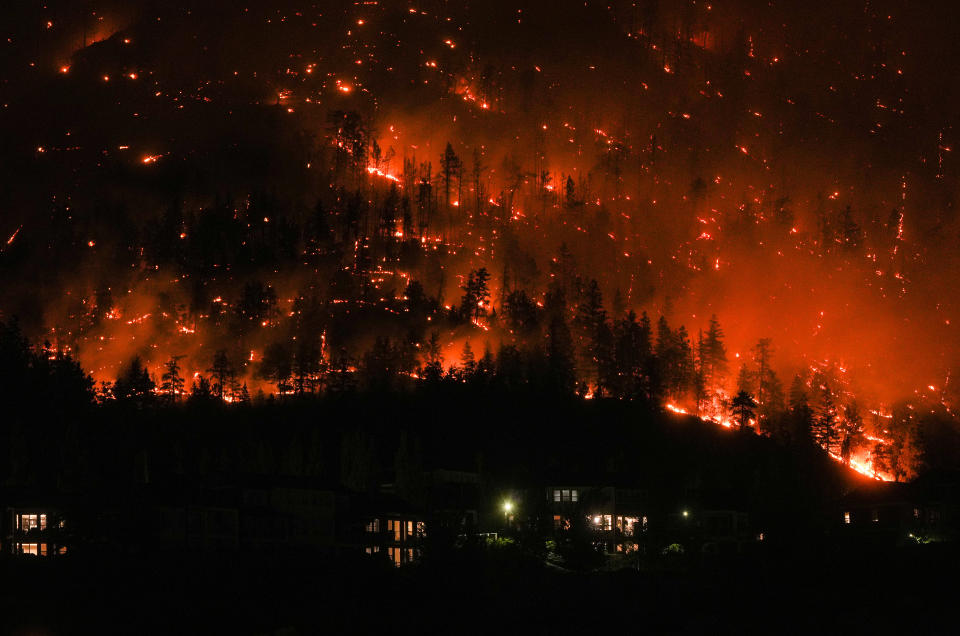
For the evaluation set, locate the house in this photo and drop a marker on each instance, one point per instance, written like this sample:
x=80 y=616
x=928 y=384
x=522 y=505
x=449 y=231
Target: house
x=882 y=514
x=453 y=499
x=923 y=511
x=710 y=531
x=34 y=530
x=242 y=514
x=387 y=526
x=288 y=513
x=618 y=516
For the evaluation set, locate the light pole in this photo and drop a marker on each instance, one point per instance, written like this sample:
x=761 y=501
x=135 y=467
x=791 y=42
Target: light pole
x=507 y=510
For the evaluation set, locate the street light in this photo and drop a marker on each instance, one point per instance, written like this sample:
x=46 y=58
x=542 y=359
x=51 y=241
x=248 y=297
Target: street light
x=507 y=512
x=686 y=514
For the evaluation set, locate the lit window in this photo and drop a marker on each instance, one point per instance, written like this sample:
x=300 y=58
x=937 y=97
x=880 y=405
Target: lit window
x=394 y=526
x=566 y=495
x=31 y=522
x=30 y=548
x=846 y=517
x=875 y=515
x=574 y=495
x=409 y=529
x=395 y=555
x=627 y=525
x=556 y=495
x=421 y=529
x=373 y=526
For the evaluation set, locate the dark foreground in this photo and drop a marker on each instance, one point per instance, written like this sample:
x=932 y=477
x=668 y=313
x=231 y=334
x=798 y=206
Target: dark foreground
x=480 y=591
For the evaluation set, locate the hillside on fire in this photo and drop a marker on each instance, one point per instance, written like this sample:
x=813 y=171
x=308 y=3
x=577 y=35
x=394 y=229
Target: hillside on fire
x=633 y=288
x=753 y=207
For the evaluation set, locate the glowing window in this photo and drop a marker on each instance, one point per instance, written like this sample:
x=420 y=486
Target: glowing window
x=394 y=526
x=875 y=515
x=31 y=548
x=574 y=495
x=31 y=522
x=846 y=517
x=628 y=525
x=373 y=526
x=556 y=495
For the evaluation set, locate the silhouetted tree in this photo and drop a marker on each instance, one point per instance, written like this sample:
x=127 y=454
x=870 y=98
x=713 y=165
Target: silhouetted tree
x=134 y=384
x=172 y=383
x=433 y=369
x=222 y=372
x=743 y=409
x=276 y=365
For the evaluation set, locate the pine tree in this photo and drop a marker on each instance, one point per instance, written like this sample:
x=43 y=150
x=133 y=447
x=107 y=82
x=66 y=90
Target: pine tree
x=172 y=382
x=852 y=432
x=570 y=193
x=683 y=361
x=801 y=415
x=433 y=370
x=468 y=363
x=743 y=409
x=713 y=362
x=481 y=293
x=590 y=316
x=476 y=295
x=134 y=384
x=200 y=391
x=222 y=372
x=560 y=355
x=824 y=424
x=715 y=353
x=276 y=365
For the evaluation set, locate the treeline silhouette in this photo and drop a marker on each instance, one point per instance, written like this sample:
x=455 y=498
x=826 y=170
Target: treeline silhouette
x=508 y=416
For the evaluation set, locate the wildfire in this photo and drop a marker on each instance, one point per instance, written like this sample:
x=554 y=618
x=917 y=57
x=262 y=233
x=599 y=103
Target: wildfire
x=380 y=173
